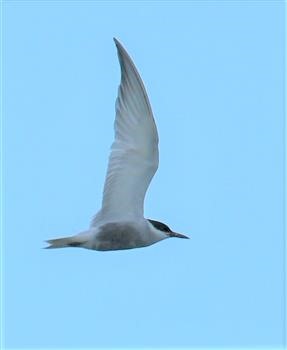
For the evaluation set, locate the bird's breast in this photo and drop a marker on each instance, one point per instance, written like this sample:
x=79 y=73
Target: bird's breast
x=116 y=236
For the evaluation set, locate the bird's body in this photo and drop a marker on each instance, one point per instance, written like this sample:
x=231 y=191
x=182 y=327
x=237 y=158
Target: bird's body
x=120 y=224
x=113 y=236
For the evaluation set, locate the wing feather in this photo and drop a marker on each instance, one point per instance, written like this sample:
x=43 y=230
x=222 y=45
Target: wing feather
x=133 y=159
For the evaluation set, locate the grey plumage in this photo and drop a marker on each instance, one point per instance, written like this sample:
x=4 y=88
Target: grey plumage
x=133 y=161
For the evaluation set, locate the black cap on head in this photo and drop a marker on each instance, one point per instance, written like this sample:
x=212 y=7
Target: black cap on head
x=160 y=226
x=163 y=227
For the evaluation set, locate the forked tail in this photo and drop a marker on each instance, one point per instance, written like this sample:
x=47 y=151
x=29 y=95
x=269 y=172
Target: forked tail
x=74 y=241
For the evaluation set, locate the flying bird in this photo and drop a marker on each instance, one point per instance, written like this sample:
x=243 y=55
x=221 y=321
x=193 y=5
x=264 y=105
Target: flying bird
x=133 y=161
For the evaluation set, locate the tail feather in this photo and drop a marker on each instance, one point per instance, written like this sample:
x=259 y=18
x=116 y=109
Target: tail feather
x=65 y=242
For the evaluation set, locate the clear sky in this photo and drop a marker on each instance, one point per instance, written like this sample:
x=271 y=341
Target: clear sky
x=214 y=74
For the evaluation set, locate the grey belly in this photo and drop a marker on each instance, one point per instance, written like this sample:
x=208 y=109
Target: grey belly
x=115 y=236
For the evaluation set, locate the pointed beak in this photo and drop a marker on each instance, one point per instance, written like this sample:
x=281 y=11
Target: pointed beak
x=178 y=235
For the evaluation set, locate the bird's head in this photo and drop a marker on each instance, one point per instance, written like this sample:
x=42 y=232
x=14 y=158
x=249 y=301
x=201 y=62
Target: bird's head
x=165 y=229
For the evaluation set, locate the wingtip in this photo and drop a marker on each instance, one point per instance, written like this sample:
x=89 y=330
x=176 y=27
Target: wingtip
x=119 y=46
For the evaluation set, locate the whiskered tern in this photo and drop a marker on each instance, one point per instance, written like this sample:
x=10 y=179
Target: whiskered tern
x=133 y=161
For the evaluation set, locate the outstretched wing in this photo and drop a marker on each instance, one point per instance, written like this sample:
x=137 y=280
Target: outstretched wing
x=134 y=153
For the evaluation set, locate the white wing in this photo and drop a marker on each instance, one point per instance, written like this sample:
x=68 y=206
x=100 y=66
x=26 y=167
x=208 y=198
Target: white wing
x=134 y=153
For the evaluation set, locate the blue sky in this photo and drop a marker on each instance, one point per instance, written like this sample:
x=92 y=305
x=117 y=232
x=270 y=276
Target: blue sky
x=214 y=72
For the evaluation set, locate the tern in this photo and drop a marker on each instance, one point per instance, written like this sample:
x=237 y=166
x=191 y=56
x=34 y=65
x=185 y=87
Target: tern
x=133 y=161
